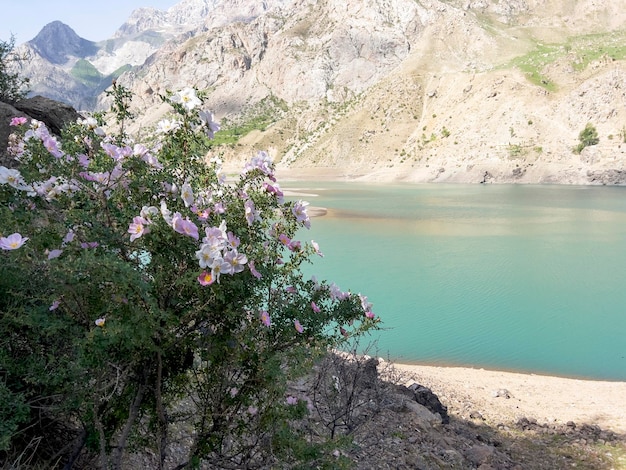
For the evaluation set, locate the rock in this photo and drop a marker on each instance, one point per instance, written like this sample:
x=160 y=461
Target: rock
x=6 y=113
x=54 y=114
x=502 y=393
x=479 y=454
x=423 y=413
x=476 y=415
x=424 y=396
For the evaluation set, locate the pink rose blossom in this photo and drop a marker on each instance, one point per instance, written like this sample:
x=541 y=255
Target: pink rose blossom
x=265 y=318
x=205 y=278
x=253 y=270
x=54 y=254
x=18 y=121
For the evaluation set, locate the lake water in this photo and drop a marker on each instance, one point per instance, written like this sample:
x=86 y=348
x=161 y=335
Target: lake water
x=523 y=278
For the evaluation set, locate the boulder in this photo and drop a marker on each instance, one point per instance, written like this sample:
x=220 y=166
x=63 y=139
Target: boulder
x=7 y=112
x=54 y=114
x=425 y=396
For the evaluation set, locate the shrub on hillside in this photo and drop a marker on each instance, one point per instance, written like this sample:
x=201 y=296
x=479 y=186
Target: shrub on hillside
x=133 y=279
x=588 y=136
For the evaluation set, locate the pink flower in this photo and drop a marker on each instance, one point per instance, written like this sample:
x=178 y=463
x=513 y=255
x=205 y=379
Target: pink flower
x=316 y=247
x=100 y=321
x=219 y=208
x=90 y=245
x=69 y=237
x=315 y=308
x=343 y=332
x=54 y=254
x=185 y=226
x=233 y=240
x=292 y=400
x=291 y=289
x=298 y=326
x=12 y=242
x=253 y=270
x=137 y=228
x=252 y=215
x=205 y=278
x=235 y=261
x=18 y=121
x=265 y=318
x=252 y=410
x=54 y=305
x=284 y=239
x=299 y=211
x=234 y=391
x=369 y=314
x=208 y=120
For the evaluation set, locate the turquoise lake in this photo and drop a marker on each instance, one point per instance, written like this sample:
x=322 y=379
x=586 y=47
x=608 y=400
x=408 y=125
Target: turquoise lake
x=522 y=278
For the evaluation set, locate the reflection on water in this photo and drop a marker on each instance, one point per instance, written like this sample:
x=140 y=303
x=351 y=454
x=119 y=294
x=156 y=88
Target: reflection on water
x=511 y=277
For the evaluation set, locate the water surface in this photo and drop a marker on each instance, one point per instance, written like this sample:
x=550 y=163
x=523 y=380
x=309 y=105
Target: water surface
x=526 y=278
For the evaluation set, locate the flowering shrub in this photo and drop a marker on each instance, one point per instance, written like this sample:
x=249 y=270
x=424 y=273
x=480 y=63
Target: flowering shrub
x=136 y=278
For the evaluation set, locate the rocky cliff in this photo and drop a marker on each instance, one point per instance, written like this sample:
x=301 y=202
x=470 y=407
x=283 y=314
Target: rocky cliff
x=429 y=90
x=414 y=90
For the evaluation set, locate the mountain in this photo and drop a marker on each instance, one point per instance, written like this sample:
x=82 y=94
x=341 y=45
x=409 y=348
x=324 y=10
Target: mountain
x=412 y=90
x=57 y=42
x=429 y=90
x=71 y=69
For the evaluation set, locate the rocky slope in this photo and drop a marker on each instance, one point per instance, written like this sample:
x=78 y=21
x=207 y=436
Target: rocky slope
x=429 y=90
x=71 y=69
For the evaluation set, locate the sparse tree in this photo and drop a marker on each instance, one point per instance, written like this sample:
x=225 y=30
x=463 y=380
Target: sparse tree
x=588 y=136
x=13 y=86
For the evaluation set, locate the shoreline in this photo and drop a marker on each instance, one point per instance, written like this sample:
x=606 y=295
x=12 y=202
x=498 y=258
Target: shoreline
x=503 y=398
x=498 y=397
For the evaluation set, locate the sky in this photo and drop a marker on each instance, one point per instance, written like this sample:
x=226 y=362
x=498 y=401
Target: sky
x=95 y=20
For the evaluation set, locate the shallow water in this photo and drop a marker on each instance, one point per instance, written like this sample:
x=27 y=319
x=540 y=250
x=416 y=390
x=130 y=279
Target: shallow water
x=526 y=278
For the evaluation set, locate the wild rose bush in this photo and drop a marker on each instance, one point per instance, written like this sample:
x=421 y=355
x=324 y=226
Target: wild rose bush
x=135 y=278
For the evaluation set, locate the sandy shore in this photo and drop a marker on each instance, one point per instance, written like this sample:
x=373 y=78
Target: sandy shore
x=467 y=391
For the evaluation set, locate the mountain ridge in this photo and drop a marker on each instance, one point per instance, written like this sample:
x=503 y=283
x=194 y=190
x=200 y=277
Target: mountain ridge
x=428 y=90
x=445 y=91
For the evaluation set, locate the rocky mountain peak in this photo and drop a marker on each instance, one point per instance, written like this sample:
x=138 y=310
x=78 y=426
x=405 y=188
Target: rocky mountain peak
x=191 y=12
x=142 y=19
x=57 y=41
x=184 y=16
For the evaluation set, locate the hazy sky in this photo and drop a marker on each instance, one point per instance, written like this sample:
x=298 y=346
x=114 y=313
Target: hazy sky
x=91 y=19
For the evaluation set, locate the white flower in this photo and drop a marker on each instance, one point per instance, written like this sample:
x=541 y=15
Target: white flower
x=208 y=120
x=11 y=177
x=187 y=97
x=166 y=126
x=187 y=194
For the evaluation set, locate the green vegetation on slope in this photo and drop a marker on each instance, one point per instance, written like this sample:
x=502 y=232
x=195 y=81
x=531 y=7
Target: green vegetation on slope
x=86 y=73
x=579 y=50
x=258 y=117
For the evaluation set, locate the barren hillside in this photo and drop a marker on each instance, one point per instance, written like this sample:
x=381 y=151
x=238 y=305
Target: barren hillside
x=458 y=91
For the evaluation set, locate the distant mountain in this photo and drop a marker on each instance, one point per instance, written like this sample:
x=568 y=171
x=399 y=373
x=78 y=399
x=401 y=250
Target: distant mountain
x=57 y=42
x=71 y=69
x=426 y=90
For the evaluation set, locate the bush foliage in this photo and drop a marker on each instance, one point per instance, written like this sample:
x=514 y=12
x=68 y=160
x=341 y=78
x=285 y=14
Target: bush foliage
x=134 y=279
x=13 y=86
